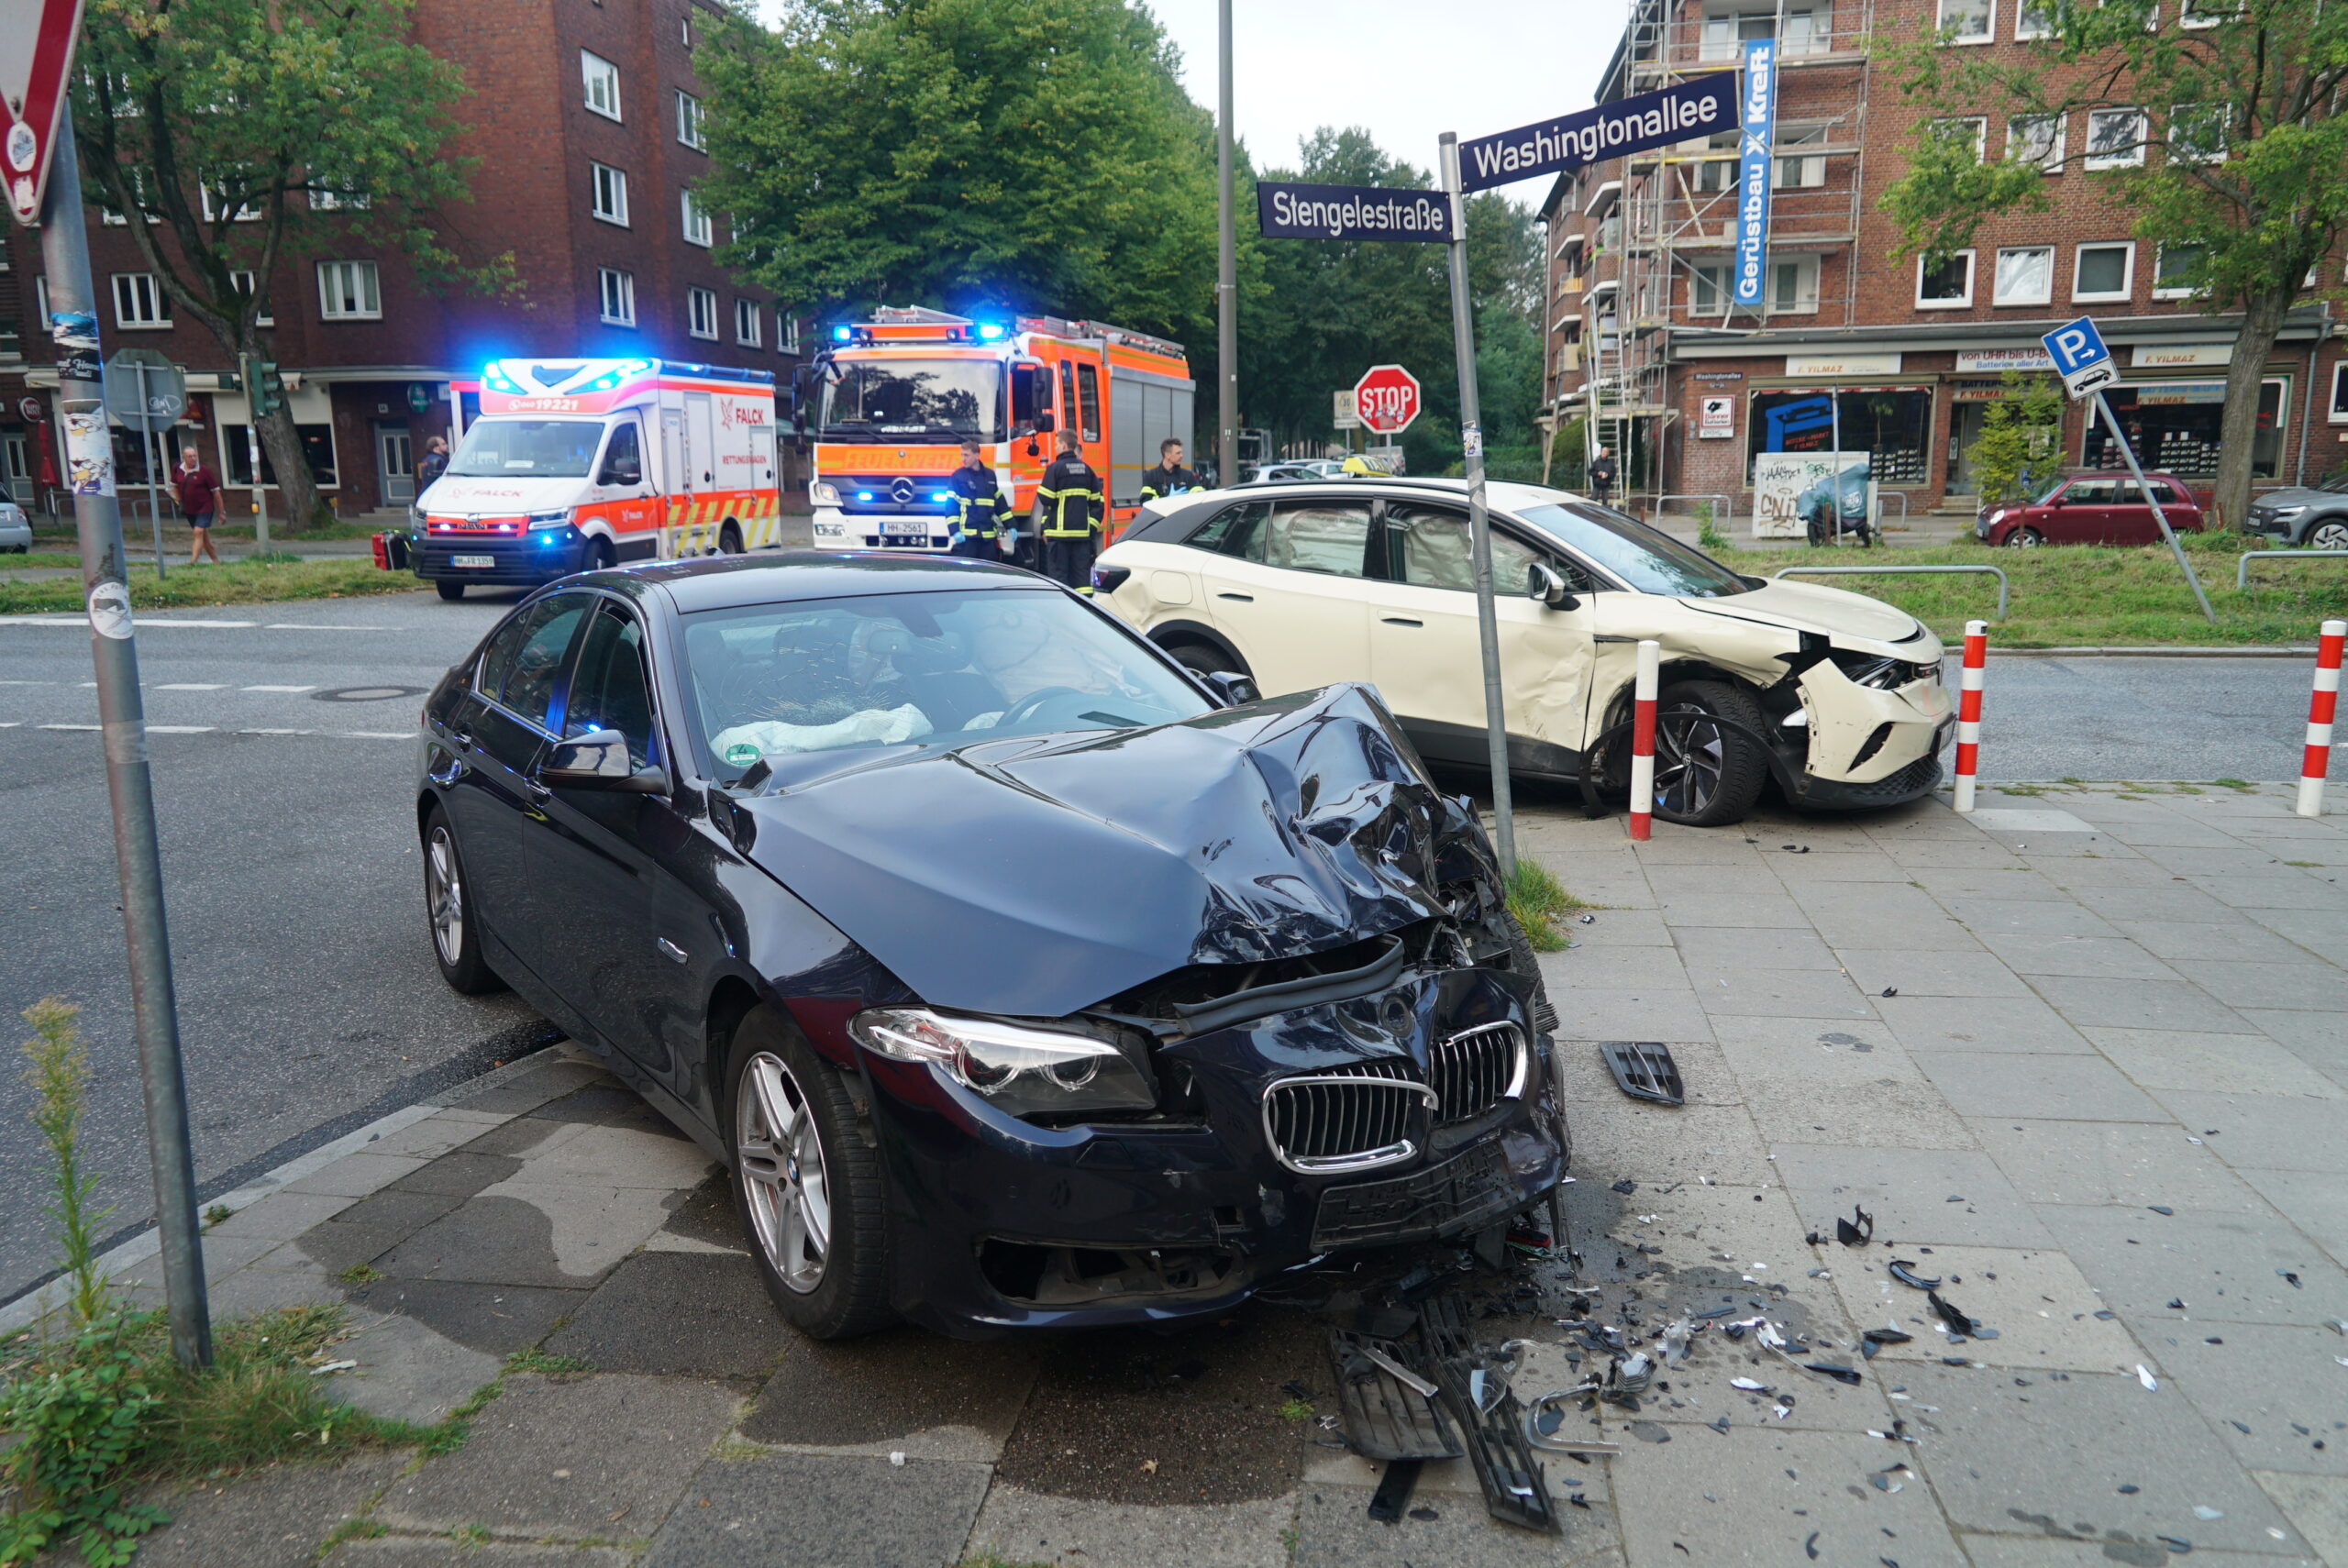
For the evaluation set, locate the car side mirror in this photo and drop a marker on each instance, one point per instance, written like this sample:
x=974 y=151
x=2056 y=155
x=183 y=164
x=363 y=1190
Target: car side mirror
x=1541 y=583
x=1235 y=688
x=624 y=473
x=1045 y=423
x=599 y=760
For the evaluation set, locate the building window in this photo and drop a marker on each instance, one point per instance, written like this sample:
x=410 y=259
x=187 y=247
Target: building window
x=1793 y=284
x=1728 y=28
x=1709 y=289
x=2115 y=138
x=786 y=332
x=618 y=290
x=249 y=284
x=2040 y=139
x=608 y=199
x=1946 y=284
x=2176 y=272
x=700 y=311
x=1797 y=170
x=689 y=128
x=2205 y=13
x=2340 y=393
x=1972 y=131
x=746 y=316
x=348 y=291
x=601 y=82
x=2103 y=273
x=339 y=201
x=1967 y=21
x=2198 y=133
x=2025 y=276
x=697 y=223
x=211 y=208
x=2032 y=20
x=138 y=301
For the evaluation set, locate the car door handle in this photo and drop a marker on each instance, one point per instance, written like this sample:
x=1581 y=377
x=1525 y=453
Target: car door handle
x=1399 y=621
x=461 y=739
x=1242 y=598
x=536 y=791
x=670 y=950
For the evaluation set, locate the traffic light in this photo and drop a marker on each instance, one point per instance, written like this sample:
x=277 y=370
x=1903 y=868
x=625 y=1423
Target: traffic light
x=261 y=384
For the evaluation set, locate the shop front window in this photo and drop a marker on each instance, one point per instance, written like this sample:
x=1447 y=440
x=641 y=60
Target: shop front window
x=1892 y=424
x=2174 y=428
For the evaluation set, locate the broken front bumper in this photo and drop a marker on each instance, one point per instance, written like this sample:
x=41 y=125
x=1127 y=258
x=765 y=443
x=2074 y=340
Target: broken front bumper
x=1001 y=1224
x=1863 y=744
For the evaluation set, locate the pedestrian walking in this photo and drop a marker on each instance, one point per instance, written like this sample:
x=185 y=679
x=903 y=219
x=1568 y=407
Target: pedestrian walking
x=1602 y=474
x=1071 y=511
x=197 y=491
x=979 y=508
x=1169 y=477
x=434 y=464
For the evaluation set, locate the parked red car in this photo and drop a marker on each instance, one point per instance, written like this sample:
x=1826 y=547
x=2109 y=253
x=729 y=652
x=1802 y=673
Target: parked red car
x=2092 y=509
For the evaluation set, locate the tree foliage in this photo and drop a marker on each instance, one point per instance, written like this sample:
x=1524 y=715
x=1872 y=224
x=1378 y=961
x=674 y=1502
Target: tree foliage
x=2019 y=453
x=245 y=136
x=2237 y=147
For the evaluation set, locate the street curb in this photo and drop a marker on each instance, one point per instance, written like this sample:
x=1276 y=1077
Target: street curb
x=42 y=1299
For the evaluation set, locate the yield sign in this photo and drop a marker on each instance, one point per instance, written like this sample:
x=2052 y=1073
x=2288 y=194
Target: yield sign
x=1387 y=398
x=35 y=61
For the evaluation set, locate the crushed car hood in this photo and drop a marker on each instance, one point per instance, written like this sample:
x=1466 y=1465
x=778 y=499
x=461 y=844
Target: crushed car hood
x=1807 y=607
x=1036 y=876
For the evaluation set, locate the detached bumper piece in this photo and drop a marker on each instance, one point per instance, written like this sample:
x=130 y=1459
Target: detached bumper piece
x=1387 y=1418
x=1644 y=1070
x=1516 y=1489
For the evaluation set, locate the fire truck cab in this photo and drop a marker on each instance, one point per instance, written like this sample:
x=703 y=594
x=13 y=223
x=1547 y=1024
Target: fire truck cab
x=890 y=402
x=576 y=464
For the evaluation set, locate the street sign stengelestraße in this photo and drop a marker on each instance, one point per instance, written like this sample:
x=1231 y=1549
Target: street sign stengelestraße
x=1290 y=211
x=35 y=57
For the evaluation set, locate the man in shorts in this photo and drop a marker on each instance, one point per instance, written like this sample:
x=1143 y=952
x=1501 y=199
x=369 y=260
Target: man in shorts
x=197 y=489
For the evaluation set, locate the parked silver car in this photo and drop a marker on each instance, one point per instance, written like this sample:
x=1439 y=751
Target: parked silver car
x=16 y=529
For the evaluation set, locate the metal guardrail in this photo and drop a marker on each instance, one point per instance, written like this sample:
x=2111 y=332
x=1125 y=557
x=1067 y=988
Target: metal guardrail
x=2004 y=586
x=1727 y=517
x=2242 y=569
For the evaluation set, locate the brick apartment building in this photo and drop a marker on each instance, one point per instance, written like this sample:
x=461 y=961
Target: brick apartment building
x=1850 y=339
x=585 y=118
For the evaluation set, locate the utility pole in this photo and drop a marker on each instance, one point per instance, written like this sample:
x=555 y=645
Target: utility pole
x=1226 y=286
x=114 y=651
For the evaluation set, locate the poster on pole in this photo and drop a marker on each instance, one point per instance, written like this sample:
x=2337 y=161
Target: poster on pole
x=1789 y=488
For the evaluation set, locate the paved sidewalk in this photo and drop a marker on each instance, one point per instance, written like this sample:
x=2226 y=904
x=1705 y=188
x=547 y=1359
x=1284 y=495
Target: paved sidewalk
x=2082 y=1058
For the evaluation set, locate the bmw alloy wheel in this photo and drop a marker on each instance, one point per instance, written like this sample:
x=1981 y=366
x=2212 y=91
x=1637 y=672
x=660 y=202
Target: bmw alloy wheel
x=444 y=894
x=784 y=1178
x=1689 y=753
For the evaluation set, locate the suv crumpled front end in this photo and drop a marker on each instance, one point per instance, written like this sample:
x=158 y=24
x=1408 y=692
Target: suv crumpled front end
x=1170 y=1012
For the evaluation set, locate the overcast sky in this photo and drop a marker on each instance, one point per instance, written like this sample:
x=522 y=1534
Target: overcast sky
x=1406 y=70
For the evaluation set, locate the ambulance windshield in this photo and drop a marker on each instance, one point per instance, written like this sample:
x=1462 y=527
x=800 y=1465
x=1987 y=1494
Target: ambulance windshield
x=934 y=398
x=503 y=448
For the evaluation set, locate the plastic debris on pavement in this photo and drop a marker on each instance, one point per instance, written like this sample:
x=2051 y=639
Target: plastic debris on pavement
x=1904 y=1271
x=2144 y=1376
x=1857 y=1231
x=1643 y=1069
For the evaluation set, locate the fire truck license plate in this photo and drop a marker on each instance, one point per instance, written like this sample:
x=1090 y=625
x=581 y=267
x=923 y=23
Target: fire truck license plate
x=472 y=560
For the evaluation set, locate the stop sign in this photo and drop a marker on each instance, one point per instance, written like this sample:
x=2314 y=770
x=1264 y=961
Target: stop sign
x=1388 y=399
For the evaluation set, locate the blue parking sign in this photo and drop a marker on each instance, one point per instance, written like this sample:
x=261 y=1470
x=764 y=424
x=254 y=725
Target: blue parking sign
x=2079 y=356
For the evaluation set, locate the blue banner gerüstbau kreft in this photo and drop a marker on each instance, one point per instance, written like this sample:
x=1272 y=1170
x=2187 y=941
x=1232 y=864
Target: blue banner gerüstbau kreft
x=1757 y=114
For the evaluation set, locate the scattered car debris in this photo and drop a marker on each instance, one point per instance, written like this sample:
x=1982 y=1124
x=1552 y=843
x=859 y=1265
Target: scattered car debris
x=2160 y=1209
x=332 y=1366
x=1394 y=1489
x=1796 y=848
x=1873 y=1340
x=1904 y=1271
x=1809 y=1547
x=1389 y=1413
x=2144 y=1376
x=1857 y=1231
x=1839 y=1373
x=1889 y=991
x=1626 y=1187
x=1958 y=1323
x=1749 y=1385
x=1644 y=1070
x=1427 y=1514
x=1505 y=1469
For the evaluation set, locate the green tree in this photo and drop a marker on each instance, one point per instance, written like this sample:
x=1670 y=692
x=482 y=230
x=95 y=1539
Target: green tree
x=970 y=155
x=247 y=135
x=2018 y=453
x=2231 y=148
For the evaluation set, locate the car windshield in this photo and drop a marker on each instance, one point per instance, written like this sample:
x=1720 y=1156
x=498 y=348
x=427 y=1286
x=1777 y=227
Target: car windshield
x=1647 y=559
x=772 y=682
x=2049 y=494
x=916 y=397
x=556 y=448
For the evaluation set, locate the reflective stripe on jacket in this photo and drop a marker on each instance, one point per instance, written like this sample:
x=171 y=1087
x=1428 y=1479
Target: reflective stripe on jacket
x=1073 y=493
x=978 y=505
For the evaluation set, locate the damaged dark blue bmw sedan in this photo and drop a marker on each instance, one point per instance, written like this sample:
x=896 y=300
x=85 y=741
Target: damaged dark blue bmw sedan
x=1021 y=978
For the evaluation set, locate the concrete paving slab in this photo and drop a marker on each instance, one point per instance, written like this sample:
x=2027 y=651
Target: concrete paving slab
x=2317 y=1506
x=2046 y=1551
x=1335 y=1530
x=1651 y=1013
x=371 y=1227
x=2137 y=1004
x=2242 y=938
x=583 y=1457
x=1709 y=949
x=406 y=1372
x=2095 y=957
x=618 y=1157
x=2042 y=1308
x=2278 y=1381
x=1758 y=1496
x=1615 y=1137
x=1909 y=1192
x=2017 y=1024
x=2272 y=1133
x=274 y=1517
x=900 y=1390
x=2182 y=1059
x=524 y=1232
x=2052 y=915
x=1887 y=1113
x=2315 y=1203
x=1030 y=1527
x=1930 y=973
x=413 y=1552
x=528 y=1091
x=1619 y=928
x=2175 y=900
x=679 y=1314
x=2004 y=883
x=2054 y=1455
x=2315 y=1038
x=1767 y=910
x=805 y=1511
x=1827 y=862
x=428 y=1139
x=282 y=1216
x=2011 y=821
x=1780 y=993
x=356 y=1176
x=1820 y=1052
x=2101 y=864
x=522 y=1136
x=1972 y=853
x=258 y=1289
x=2296 y=892
x=459 y=1174
x=1622 y=968
x=2223 y=1268
x=2131 y=1165
x=496 y=1319
x=2227 y=857
x=2309 y=987
x=2069 y=1088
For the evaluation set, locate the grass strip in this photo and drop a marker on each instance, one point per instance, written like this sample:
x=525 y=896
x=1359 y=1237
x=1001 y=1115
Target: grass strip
x=1538 y=901
x=264 y=581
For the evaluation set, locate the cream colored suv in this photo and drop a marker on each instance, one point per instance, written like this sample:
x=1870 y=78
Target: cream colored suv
x=1835 y=696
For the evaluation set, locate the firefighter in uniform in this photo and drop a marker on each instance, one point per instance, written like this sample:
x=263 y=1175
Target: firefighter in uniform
x=1169 y=477
x=1071 y=512
x=978 y=507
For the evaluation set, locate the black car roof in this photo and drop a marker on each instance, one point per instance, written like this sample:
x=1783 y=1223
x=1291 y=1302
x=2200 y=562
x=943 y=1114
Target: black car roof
x=726 y=582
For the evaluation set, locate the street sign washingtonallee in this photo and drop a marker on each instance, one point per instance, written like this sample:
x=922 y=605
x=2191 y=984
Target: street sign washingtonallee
x=1705 y=106
x=1387 y=398
x=2079 y=356
x=1289 y=211
x=35 y=61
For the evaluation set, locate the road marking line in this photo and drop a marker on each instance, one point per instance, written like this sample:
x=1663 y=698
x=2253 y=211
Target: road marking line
x=27 y=683
x=193 y=686
x=301 y=626
x=69 y=727
x=369 y=735
x=295 y=689
x=144 y=622
x=9 y=724
x=179 y=729
x=277 y=731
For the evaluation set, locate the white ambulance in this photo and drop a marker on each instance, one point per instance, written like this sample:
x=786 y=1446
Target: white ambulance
x=576 y=464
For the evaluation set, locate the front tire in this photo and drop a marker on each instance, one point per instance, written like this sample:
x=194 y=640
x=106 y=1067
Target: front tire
x=807 y=1181
x=601 y=555
x=449 y=909
x=1709 y=764
x=2331 y=533
x=2025 y=539
x=451 y=592
x=1204 y=658
x=729 y=539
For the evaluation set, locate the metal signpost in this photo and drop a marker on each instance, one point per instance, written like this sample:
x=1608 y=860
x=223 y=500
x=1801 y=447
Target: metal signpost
x=89 y=451
x=1226 y=283
x=2086 y=367
x=148 y=394
x=251 y=372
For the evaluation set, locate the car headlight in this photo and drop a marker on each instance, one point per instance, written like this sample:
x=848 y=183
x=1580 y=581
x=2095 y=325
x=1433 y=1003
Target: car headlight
x=2284 y=511
x=1882 y=674
x=823 y=493
x=416 y=517
x=551 y=519
x=1020 y=1070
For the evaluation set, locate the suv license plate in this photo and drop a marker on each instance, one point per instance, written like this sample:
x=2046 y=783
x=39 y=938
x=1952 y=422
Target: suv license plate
x=472 y=560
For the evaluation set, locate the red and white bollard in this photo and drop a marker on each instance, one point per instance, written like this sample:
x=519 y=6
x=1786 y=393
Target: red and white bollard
x=1968 y=710
x=1643 y=741
x=2320 y=707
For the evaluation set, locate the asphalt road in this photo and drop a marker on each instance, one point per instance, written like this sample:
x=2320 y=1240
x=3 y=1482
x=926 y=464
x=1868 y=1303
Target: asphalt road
x=284 y=761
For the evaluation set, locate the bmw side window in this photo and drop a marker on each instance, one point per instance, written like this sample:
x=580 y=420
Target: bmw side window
x=1236 y=531
x=610 y=690
x=623 y=457
x=527 y=687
